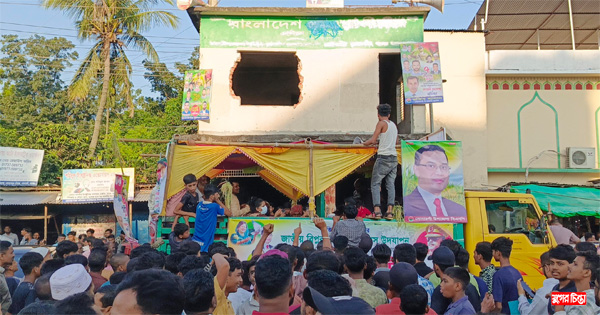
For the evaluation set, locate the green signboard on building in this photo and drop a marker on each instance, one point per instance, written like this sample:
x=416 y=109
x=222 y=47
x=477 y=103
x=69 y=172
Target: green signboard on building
x=331 y=32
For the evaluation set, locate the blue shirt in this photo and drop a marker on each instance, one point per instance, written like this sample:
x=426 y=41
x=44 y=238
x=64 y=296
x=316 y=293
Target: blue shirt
x=505 y=286
x=426 y=284
x=206 y=223
x=461 y=307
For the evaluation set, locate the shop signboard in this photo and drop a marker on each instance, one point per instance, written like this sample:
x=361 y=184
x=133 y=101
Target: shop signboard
x=93 y=185
x=196 y=95
x=315 y=32
x=421 y=73
x=20 y=167
x=432 y=182
x=244 y=233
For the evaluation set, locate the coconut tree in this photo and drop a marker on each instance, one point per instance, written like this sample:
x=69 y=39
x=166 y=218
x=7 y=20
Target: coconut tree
x=114 y=25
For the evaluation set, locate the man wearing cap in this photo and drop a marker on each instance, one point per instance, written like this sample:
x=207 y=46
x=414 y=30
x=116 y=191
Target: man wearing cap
x=443 y=258
x=70 y=280
x=401 y=276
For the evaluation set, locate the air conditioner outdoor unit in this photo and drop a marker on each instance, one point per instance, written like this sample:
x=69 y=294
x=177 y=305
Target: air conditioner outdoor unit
x=581 y=157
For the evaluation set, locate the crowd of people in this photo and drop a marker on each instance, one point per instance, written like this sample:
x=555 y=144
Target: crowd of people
x=345 y=274
x=27 y=237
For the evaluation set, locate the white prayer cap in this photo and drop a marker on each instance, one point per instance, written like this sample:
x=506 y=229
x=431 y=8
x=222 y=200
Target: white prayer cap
x=69 y=280
x=40 y=250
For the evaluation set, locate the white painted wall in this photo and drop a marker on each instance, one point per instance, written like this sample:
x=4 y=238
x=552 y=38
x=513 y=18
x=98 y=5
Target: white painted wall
x=543 y=61
x=463 y=112
x=340 y=95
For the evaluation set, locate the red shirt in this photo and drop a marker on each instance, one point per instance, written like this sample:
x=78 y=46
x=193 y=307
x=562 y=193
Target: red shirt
x=363 y=212
x=394 y=308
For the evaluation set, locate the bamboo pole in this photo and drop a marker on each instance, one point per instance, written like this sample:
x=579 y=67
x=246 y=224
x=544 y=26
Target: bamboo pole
x=254 y=144
x=311 y=186
x=130 y=216
x=46 y=223
x=170 y=154
x=151 y=155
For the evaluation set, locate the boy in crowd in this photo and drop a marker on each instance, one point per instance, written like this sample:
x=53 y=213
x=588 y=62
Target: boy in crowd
x=443 y=258
x=483 y=258
x=539 y=303
x=454 y=282
x=582 y=272
x=561 y=257
x=415 y=298
x=386 y=165
x=401 y=276
x=72 y=236
x=274 y=284
x=349 y=226
x=382 y=254
x=25 y=293
x=422 y=269
x=189 y=201
x=140 y=294
x=228 y=277
x=66 y=249
x=7 y=256
x=329 y=293
x=505 y=279
x=181 y=232
x=206 y=217
x=407 y=253
x=97 y=262
x=199 y=292
x=354 y=265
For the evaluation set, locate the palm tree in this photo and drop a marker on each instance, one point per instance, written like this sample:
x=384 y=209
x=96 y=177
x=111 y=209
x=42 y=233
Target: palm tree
x=115 y=25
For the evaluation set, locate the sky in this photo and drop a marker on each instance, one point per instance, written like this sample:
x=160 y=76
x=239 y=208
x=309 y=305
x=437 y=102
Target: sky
x=27 y=17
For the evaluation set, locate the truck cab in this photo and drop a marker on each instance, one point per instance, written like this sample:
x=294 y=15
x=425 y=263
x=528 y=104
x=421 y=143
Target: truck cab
x=515 y=216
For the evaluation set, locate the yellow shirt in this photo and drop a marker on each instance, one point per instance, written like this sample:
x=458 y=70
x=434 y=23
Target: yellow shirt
x=224 y=306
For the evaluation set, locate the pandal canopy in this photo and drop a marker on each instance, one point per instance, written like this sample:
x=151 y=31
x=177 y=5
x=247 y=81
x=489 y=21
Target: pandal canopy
x=294 y=169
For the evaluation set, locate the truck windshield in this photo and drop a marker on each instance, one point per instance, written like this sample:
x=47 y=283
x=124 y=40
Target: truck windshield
x=513 y=217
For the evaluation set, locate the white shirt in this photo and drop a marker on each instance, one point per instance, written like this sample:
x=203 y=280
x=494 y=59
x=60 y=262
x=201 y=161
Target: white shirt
x=539 y=304
x=247 y=307
x=239 y=297
x=429 y=201
x=387 y=140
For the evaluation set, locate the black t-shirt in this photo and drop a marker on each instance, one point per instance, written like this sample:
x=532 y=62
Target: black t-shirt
x=568 y=288
x=23 y=296
x=12 y=283
x=440 y=304
x=190 y=202
x=423 y=269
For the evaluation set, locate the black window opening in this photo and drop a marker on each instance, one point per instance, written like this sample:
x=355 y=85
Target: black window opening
x=267 y=78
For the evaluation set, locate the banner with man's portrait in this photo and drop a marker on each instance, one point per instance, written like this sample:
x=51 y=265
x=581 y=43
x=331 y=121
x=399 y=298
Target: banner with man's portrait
x=432 y=182
x=421 y=73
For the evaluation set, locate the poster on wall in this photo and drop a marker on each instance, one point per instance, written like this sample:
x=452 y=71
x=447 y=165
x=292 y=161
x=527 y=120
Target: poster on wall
x=432 y=182
x=20 y=167
x=85 y=185
x=120 y=203
x=324 y=3
x=196 y=95
x=421 y=73
x=244 y=233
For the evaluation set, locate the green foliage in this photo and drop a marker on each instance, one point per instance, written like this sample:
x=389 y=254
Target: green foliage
x=42 y=116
